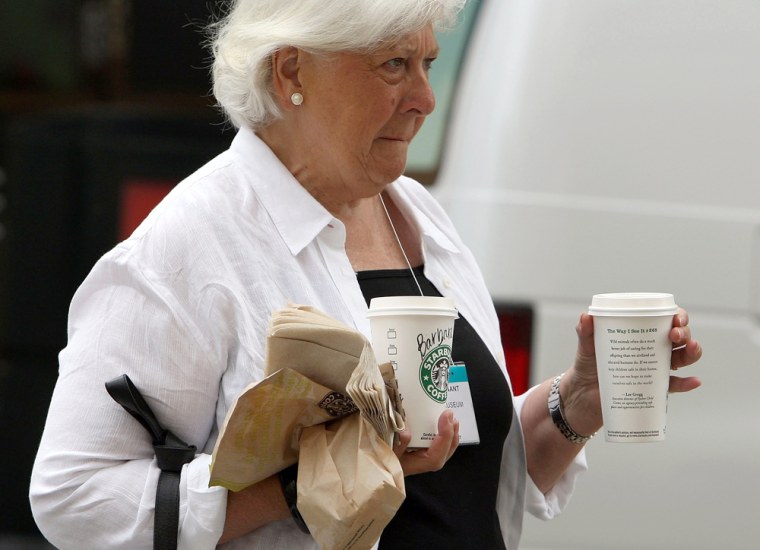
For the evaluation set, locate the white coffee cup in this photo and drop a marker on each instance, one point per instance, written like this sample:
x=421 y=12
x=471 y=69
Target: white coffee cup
x=415 y=334
x=633 y=350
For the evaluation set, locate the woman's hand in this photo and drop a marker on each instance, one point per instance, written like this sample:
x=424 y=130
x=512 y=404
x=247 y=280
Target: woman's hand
x=434 y=457
x=580 y=388
x=686 y=351
x=548 y=452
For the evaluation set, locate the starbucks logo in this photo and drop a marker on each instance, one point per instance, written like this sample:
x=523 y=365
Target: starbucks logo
x=337 y=404
x=434 y=373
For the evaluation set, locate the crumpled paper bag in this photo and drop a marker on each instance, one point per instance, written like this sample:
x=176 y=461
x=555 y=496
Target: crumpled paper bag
x=320 y=373
x=321 y=348
x=375 y=393
x=350 y=483
x=260 y=434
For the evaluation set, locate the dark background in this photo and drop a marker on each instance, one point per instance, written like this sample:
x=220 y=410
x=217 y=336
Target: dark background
x=94 y=95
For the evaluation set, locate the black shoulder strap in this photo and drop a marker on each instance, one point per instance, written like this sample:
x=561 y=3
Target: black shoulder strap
x=171 y=454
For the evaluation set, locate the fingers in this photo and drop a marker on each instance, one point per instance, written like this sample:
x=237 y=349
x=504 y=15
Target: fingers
x=401 y=442
x=454 y=443
x=444 y=444
x=686 y=350
x=681 y=318
x=680 y=334
x=585 y=331
x=685 y=355
x=434 y=457
x=584 y=368
x=679 y=385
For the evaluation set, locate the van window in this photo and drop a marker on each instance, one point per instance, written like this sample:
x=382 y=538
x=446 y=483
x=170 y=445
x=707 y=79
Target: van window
x=426 y=149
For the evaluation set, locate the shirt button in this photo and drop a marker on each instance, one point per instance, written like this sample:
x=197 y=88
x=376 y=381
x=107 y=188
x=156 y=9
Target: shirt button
x=447 y=283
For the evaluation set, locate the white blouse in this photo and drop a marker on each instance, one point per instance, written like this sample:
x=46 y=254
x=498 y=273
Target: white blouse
x=182 y=306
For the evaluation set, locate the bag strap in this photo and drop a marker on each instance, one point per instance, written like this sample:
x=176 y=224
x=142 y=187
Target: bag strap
x=171 y=454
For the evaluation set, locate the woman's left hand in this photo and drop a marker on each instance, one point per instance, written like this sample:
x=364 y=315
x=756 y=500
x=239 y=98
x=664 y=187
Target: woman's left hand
x=580 y=388
x=549 y=453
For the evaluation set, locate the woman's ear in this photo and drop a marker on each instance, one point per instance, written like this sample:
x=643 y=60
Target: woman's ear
x=285 y=66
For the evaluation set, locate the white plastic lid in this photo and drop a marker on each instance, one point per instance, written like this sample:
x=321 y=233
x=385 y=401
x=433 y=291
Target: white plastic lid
x=412 y=305
x=632 y=304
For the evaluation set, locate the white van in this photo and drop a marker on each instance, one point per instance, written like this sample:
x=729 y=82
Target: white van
x=614 y=145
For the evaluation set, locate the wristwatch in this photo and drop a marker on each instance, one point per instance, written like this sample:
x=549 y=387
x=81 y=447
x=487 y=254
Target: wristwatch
x=555 y=410
x=288 y=480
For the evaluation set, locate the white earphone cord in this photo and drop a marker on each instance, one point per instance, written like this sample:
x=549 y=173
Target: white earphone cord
x=408 y=263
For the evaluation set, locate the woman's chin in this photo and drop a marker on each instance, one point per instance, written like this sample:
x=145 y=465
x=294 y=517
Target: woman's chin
x=390 y=172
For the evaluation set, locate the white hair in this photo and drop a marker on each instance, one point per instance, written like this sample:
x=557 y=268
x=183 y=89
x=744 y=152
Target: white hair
x=244 y=40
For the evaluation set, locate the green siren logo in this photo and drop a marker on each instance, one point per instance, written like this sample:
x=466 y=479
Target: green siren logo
x=434 y=373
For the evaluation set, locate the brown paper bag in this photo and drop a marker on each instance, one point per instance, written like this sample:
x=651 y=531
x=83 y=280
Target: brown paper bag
x=350 y=483
x=260 y=434
x=319 y=347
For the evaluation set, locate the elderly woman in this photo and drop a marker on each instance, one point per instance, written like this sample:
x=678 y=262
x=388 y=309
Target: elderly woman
x=309 y=206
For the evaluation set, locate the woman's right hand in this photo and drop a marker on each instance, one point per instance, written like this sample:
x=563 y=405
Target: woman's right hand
x=433 y=458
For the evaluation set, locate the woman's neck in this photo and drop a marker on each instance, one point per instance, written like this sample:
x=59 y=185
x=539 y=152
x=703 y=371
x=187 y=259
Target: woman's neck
x=376 y=240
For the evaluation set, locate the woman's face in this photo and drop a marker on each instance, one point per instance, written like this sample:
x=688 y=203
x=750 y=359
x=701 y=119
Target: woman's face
x=360 y=112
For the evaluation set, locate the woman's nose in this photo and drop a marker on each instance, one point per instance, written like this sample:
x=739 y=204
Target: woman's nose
x=420 y=96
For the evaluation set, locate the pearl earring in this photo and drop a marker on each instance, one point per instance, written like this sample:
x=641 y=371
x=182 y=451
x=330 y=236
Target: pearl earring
x=296 y=98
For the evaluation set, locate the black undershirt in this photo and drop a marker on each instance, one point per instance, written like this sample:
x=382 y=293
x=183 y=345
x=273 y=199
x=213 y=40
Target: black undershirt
x=455 y=507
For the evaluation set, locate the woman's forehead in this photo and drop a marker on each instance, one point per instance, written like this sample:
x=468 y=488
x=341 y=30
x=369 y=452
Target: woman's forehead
x=412 y=42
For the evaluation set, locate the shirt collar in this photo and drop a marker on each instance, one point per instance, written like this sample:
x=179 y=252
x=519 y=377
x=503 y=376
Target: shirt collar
x=279 y=192
x=282 y=195
x=430 y=230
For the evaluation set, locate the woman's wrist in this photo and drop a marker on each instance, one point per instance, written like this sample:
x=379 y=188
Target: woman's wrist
x=253 y=507
x=288 y=481
x=580 y=404
x=558 y=417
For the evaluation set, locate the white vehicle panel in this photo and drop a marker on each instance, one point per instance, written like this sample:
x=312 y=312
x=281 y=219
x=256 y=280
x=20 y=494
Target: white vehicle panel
x=612 y=145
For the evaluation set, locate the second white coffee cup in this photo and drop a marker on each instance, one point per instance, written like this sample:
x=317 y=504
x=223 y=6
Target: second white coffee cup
x=415 y=334
x=633 y=350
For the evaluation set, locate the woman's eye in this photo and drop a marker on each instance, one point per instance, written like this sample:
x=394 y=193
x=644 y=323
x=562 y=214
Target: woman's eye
x=396 y=62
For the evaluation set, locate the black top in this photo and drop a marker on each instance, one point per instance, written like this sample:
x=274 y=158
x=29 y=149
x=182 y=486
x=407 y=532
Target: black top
x=456 y=506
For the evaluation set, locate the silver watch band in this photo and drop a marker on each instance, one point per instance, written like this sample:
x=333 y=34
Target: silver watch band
x=555 y=411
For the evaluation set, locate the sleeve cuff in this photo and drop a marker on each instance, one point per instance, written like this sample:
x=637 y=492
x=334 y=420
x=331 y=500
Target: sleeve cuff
x=202 y=508
x=549 y=505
